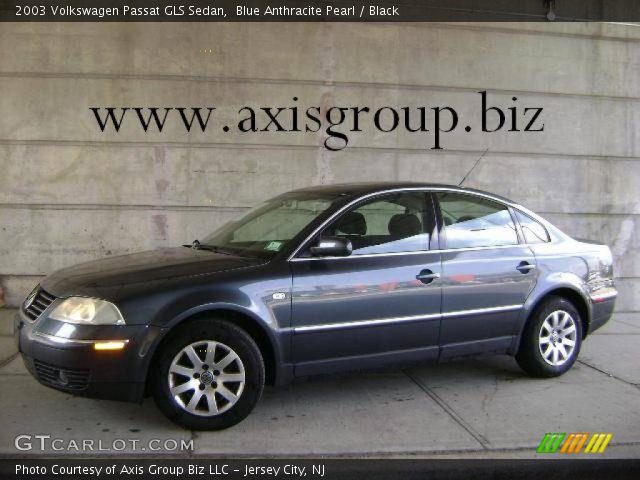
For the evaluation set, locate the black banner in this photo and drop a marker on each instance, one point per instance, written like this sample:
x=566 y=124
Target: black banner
x=318 y=10
x=316 y=469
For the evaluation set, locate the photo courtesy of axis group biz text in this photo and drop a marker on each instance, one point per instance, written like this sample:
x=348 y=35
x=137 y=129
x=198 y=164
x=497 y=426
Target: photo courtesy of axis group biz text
x=323 y=239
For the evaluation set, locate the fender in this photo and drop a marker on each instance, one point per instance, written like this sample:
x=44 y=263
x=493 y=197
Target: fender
x=211 y=307
x=547 y=285
x=277 y=338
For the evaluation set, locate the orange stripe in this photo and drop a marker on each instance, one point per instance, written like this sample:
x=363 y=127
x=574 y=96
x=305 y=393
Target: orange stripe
x=582 y=440
x=576 y=440
x=567 y=442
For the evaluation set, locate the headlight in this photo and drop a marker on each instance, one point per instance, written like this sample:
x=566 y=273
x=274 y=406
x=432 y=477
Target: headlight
x=89 y=311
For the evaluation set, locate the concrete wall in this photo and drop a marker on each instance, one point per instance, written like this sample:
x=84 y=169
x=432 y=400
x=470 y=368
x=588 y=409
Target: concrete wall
x=70 y=193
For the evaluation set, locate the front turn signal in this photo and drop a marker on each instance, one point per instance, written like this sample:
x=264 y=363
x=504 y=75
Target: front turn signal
x=110 y=345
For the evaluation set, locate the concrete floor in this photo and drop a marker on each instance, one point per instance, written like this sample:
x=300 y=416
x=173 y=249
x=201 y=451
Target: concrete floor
x=474 y=408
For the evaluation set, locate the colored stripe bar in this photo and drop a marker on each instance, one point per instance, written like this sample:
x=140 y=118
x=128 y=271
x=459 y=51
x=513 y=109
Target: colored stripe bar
x=591 y=442
x=581 y=443
x=598 y=443
x=576 y=441
x=550 y=442
x=605 y=442
x=567 y=443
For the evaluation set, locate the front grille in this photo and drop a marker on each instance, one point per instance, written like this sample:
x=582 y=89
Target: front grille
x=39 y=304
x=61 y=377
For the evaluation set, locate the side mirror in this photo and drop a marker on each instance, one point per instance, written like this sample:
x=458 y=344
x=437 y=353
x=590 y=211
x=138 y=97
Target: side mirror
x=332 y=247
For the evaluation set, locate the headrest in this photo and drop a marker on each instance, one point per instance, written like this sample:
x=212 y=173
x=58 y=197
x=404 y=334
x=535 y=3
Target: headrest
x=352 y=223
x=404 y=225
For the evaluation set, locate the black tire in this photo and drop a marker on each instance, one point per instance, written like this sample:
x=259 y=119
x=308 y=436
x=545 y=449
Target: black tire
x=530 y=357
x=225 y=333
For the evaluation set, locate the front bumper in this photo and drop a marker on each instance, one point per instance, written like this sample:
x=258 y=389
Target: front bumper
x=62 y=356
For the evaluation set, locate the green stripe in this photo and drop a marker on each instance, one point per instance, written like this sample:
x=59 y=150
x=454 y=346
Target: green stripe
x=551 y=442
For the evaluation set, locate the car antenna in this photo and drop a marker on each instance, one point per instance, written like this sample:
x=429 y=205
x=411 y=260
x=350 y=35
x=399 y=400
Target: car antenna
x=472 y=168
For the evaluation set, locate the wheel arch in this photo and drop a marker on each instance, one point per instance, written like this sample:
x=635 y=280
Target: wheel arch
x=254 y=327
x=570 y=293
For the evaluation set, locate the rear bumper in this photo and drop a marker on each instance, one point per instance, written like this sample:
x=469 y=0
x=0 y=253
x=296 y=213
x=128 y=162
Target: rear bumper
x=602 y=306
x=72 y=364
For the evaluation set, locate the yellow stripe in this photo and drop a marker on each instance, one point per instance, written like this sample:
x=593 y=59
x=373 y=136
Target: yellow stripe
x=598 y=442
x=582 y=440
x=567 y=442
x=605 y=443
x=591 y=442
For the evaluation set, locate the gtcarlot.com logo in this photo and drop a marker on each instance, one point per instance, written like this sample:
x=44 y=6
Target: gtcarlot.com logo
x=573 y=442
x=46 y=443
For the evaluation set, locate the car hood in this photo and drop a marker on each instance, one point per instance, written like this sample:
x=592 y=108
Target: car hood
x=106 y=277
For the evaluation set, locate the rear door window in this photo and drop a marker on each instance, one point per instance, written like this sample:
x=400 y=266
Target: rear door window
x=471 y=221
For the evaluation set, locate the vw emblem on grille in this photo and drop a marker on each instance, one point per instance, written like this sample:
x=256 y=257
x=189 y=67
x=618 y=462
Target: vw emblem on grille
x=30 y=299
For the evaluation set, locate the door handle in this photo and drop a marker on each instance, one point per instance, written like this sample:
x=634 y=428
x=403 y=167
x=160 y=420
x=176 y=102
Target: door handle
x=427 y=276
x=525 y=267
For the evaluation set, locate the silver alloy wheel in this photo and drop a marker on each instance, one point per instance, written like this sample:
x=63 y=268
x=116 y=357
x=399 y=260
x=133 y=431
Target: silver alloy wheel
x=206 y=378
x=557 y=338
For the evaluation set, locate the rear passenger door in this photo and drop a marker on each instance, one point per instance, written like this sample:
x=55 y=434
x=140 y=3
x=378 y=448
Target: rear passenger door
x=487 y=274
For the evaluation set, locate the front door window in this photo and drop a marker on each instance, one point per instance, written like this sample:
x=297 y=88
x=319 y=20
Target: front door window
x=396 y=223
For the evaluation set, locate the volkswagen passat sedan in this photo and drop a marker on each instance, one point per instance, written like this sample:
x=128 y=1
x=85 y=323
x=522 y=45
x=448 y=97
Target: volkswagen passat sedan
x=315 y=281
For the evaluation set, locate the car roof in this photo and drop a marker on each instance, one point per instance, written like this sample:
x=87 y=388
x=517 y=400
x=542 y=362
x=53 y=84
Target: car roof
x=358 y=189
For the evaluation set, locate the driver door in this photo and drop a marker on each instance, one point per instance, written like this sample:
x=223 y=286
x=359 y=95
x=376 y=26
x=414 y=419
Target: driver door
x=377 y=306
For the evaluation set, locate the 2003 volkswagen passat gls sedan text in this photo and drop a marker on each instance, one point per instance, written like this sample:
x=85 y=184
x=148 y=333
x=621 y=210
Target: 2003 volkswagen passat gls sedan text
x=315 y=281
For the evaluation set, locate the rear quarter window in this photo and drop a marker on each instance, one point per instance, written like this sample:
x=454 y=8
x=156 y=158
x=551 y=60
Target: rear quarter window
x=532 y=230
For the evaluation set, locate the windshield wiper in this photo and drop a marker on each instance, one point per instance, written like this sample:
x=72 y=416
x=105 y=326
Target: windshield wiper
x=196 y=245
x=213 y=248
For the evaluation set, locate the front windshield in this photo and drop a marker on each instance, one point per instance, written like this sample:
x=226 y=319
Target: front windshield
x=266 y=229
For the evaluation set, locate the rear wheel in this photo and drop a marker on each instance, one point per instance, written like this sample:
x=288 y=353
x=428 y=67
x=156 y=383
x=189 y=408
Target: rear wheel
x=208 y=376
x=551 y=339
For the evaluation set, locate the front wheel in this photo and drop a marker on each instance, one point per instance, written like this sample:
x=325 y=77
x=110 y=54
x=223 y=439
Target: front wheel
x=208 y=376
x=551 y=339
